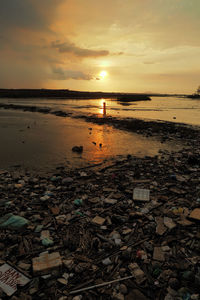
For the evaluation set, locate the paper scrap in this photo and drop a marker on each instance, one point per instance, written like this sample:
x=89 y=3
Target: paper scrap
x=10 y=278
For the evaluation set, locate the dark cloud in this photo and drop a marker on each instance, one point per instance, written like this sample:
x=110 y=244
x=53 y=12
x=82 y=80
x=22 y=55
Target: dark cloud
x=61 y=74
x=68 y=47
x=19 y=13
x=29 y=14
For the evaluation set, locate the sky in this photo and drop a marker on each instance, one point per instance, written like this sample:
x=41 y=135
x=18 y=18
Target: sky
x=107 y=45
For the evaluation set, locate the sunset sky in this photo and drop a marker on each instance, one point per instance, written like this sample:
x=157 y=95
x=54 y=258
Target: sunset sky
x=107 y=45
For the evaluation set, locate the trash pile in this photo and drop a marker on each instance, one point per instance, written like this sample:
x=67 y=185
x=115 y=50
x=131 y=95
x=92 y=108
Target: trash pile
x=126 y=230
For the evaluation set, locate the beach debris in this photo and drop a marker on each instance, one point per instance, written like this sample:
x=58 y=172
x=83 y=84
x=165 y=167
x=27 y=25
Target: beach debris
x=11 y=279
x=14 y=222
x=195 y=214
x=67 y=180
x=92 y=238
x=46 y=262
x=110 y=201
x=141 y=194
x=160 y=229
x=169 y=223
x=137 y=273
x=98 y=220
x=100 y=285
x=46 y=241
x=107 y=261
x=78 y=202
x=158 y=254
x=137 y=295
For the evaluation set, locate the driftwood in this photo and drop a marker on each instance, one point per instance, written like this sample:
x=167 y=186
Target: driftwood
x=100 y=285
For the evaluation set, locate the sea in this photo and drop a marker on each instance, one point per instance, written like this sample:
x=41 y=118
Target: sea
x=42 y=142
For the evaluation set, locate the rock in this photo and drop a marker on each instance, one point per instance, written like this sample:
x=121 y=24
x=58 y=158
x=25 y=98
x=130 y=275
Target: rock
x=55 y=210
x=44 y=198
x=174 y=283
x=118 y=296
x=137 y=273
x=118 y=242
x=184 y=222
x=158 y=254
x=62 y=281
x=169 y=223
x=107 y=261
x=67 y=180
x=123 y=289
x=148 y=246
x=160 y=229
x=24 y=266
x=78 y=149
x=135 y=295
x=165 y=248
x=68 y=264
x=83 y=174
x=44 y=234
x=195 y=214
x=98 y=220
x=33 y=290
x=169 y=297
x=110 y=201
x=77 y=297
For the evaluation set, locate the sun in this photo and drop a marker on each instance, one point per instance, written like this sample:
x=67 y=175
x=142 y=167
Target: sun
x=103 y=74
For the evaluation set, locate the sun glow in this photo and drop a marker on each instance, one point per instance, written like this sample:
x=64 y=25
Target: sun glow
x=103 y=74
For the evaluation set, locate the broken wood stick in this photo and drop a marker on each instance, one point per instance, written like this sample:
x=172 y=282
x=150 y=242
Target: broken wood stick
x=99 y=285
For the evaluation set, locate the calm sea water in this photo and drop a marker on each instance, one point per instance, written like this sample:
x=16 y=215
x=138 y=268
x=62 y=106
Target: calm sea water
x=172 y=109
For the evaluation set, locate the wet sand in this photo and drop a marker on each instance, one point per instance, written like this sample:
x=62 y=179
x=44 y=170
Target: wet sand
x=42 y=142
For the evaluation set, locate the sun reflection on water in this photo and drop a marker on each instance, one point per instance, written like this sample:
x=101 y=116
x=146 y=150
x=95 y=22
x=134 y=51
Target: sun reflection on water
x=100 y=143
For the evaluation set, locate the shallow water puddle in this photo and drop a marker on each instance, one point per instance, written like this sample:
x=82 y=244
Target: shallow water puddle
x=42 y=142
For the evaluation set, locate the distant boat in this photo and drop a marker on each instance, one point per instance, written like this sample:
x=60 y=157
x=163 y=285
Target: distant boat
x=133 y=97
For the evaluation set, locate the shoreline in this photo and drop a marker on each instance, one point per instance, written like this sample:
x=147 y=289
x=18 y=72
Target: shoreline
x=159 y=128
x=185 y=135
